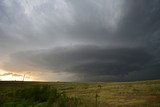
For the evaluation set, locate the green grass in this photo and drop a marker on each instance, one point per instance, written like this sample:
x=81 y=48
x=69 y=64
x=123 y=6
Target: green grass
x=76 y=94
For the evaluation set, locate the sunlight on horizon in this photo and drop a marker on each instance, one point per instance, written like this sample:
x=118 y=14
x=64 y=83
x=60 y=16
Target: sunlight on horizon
x=8 y=76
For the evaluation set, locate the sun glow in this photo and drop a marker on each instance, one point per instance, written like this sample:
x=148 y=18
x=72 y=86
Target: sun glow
x=7 y=76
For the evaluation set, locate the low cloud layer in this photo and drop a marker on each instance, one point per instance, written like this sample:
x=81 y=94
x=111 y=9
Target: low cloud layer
x=6 y=74
x=91 y=40
x=89 y=61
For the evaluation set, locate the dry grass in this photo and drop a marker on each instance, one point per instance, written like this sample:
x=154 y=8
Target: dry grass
x=111 y=94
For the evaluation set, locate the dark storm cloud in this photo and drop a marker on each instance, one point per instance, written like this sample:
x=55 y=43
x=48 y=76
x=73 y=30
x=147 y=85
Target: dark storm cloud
x=95 y=40
x=84 y=60
x=141 y=19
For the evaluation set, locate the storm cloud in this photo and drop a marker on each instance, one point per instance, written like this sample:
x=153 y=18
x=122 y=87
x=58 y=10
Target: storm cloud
x=93 y=40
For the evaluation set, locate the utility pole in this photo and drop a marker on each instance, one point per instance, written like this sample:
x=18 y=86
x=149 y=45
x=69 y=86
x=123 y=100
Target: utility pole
x=22 y=80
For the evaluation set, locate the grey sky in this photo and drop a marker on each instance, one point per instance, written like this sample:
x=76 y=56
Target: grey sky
x=81 y=40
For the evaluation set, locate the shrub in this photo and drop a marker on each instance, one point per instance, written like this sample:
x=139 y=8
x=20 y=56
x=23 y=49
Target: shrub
x=37 y=93
x=44 y=95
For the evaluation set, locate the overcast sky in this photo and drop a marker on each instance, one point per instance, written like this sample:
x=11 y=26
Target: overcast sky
x=81 y=40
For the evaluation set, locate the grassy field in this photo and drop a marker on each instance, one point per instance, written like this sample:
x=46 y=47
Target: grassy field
x=74 y=94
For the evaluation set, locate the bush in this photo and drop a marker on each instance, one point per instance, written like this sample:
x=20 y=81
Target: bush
x=37 y=93
x=45 y=96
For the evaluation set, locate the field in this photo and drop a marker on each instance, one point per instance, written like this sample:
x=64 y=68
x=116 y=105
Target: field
x=77 y=94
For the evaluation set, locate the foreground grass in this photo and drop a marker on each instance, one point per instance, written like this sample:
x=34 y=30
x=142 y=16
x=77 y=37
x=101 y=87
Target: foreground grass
x=72 y=94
